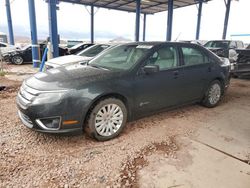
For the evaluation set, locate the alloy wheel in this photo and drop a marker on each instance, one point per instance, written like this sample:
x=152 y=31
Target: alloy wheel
x=17 y=60
x=108 y=119
x=214 y=94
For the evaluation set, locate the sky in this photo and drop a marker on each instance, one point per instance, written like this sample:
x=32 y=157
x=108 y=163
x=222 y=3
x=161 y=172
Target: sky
x=74 y=21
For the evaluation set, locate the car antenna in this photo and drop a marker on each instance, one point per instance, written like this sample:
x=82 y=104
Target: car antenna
x=177 y=37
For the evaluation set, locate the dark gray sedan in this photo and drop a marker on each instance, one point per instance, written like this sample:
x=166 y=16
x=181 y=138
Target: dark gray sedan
x=125 y=83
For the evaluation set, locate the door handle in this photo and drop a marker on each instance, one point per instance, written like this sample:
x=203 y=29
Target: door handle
x=176 y=74
x=209 y=69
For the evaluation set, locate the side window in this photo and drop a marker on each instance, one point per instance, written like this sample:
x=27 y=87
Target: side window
x=165 y=58
x=232 y=44
x=192 y=56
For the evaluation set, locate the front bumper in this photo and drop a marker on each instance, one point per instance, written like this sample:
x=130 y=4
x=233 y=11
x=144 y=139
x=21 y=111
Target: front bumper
x=40 y=117
x=34 y=125
x=7 y=58
x=29 y=124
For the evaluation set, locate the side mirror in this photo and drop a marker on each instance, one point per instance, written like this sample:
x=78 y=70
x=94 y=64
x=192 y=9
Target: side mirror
x=149 y=69
x=84 y=63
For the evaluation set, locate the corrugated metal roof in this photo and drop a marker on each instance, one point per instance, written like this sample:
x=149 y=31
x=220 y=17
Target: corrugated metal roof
x=147 y=6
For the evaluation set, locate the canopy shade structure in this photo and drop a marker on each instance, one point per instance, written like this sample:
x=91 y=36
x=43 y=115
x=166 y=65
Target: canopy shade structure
x=137 y=6
x=147 y=6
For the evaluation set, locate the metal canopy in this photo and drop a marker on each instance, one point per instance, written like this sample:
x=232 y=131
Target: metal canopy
x=147 y=6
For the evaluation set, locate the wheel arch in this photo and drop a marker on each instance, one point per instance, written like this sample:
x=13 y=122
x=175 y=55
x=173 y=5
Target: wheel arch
x=222 y=81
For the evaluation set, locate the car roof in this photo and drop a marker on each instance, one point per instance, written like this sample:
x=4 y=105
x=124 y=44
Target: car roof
x=155 y=43
x=225 y=40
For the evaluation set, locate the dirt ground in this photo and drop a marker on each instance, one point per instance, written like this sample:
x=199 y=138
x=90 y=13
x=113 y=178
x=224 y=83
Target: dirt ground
x=31 y=159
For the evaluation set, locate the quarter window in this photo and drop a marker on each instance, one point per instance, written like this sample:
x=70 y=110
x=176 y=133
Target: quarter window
x=165 y=58
x=192 y=56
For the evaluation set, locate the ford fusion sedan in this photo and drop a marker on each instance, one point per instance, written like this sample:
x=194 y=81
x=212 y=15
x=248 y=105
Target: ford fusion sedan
x=82 y=57
x=122 y=84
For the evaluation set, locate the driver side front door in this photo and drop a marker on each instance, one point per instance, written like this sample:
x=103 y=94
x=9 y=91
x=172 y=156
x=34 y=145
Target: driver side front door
x=158 y=90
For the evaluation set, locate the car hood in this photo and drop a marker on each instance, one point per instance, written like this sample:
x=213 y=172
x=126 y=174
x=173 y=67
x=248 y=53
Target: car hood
x=6 y=50
x=68 y=59
x=69 y=77
x=215 y=49
x=12 y=52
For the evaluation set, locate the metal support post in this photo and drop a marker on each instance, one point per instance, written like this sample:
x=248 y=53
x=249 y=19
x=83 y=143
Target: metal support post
x=92 y=24
x=199 y=20
x=137 y=20
x=170 y=19
x=10 y=28
x=53 y=32
x=144 y=27
x=33 y=31
x=228 y=5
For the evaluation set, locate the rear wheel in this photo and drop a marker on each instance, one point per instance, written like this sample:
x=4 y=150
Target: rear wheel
x=107 y=119
x=213 y=94
x=17 y=59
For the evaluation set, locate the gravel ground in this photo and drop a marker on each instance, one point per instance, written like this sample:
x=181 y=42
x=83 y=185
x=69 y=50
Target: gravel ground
x=31 y=159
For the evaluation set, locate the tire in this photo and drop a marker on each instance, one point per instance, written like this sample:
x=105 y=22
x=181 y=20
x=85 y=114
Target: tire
x=17 y=59
x=105 y=127
x=213 y=94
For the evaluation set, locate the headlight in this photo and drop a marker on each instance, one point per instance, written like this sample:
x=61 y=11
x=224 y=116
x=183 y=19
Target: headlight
x=46 y=98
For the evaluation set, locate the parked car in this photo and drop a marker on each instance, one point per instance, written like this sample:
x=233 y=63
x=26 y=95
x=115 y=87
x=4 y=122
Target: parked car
x=82 y=57
x=242 y=65
x=79 y=47
x=4 y=47
x=122 y=84
x=24 y=55
x=71 y=43
x=235 y=52
x=225 y=48
x=200 y=42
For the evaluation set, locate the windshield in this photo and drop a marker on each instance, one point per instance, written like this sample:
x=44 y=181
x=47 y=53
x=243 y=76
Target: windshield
x=217 y=44
x=93 y=50
x=121 y=57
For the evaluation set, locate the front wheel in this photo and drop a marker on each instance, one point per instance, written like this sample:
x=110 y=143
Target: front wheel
x=106 y=120
x=17 y=59
x=213 y=94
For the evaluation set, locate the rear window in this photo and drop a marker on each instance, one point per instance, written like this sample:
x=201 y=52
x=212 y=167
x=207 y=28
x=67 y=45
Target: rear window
x=193 y=56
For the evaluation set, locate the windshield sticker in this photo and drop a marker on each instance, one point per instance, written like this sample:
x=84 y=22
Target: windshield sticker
x=144 y=46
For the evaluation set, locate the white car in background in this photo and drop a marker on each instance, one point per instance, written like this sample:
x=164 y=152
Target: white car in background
x=4 y=47
x=82 y=57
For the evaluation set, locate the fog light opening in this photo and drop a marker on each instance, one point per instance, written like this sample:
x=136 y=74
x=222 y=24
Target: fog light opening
x=49 y=123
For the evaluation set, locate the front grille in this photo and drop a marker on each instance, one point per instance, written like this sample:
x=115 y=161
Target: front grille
x=26 y=95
